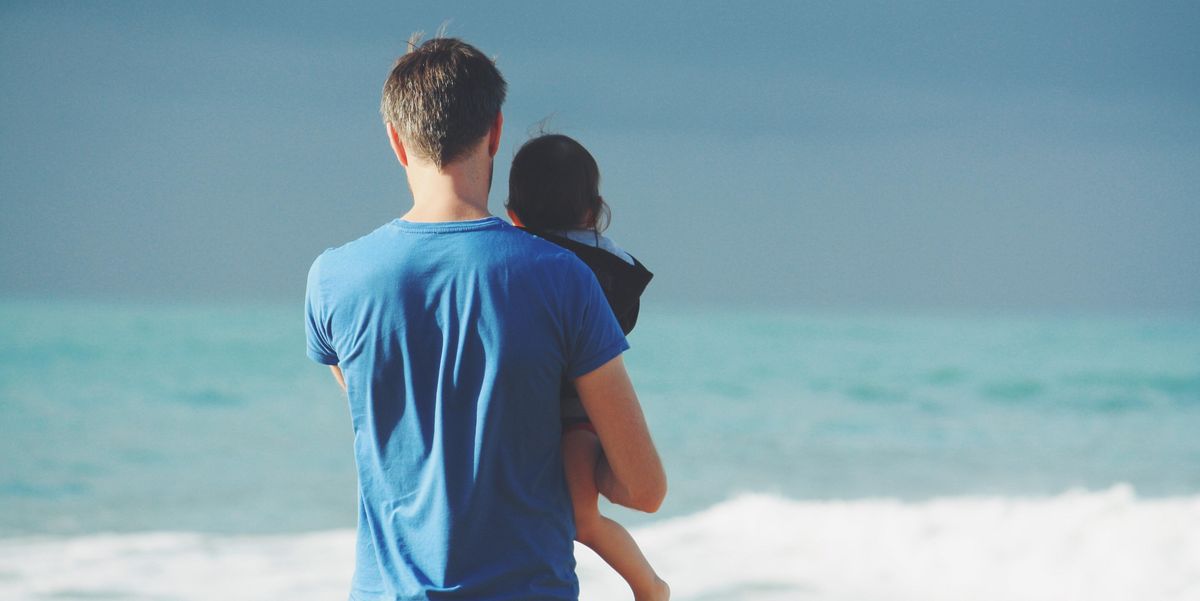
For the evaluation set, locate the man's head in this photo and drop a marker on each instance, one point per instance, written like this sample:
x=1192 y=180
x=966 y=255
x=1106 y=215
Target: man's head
x=442 y=98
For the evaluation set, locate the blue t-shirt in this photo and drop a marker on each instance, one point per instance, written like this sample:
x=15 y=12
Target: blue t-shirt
x=453 y=339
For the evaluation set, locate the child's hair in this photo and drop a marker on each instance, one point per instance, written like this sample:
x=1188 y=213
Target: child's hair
x=555 y=185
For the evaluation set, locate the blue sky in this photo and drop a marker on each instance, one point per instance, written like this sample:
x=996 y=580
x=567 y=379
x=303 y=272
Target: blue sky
x=920 y=155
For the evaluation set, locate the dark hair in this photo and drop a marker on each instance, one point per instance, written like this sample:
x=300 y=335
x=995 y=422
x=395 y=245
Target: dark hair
x=555 y=185
x=442 y=97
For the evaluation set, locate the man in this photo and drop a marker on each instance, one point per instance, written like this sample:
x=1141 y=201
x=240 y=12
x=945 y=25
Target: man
x=450 y=331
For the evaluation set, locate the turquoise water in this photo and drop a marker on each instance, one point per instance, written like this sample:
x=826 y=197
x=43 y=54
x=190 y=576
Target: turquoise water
x=209 y=419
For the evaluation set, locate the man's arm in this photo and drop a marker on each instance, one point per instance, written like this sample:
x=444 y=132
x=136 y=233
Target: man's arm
x=630 y=472
x=337 y=375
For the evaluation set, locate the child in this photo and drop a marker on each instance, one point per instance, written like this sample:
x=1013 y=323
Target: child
x=554 y=192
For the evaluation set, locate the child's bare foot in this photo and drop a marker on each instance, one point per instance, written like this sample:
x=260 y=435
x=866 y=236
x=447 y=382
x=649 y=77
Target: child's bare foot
x=658 y=592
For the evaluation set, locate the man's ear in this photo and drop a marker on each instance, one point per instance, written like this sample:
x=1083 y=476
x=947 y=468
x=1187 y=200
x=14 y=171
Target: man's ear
x=397 y=144
x=494 y=135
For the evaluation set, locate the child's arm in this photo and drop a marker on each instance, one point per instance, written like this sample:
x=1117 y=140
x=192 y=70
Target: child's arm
x=631 y=473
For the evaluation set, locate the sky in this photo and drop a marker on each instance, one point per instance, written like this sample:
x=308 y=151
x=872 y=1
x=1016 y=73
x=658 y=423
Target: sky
x=1011 y=156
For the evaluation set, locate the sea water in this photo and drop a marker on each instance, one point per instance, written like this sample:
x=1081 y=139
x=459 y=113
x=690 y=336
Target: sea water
x=193 y=452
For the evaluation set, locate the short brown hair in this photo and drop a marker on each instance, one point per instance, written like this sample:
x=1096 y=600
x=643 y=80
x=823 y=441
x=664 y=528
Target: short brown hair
x=442 y=97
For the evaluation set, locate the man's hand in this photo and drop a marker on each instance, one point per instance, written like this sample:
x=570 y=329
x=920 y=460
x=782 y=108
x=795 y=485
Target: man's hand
x=337 y=375
x=630 y=472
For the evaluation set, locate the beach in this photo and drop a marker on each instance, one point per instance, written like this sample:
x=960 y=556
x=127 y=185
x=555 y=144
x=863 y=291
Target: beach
x=193 y=452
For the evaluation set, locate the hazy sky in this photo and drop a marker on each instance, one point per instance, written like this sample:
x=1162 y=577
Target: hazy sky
x=925 y=155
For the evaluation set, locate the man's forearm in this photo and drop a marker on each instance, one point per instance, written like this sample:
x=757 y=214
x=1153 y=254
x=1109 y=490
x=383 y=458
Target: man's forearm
x=610 y=486
x=631 y=472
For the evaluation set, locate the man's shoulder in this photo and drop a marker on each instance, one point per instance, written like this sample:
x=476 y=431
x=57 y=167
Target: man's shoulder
x=546 y=254
x=539 y=244
x=355 y=246
x=505 y=244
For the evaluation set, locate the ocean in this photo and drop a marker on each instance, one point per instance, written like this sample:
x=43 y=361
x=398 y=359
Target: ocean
x=190 y=452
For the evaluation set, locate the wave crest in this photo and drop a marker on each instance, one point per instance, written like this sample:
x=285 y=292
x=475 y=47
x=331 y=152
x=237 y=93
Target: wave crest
x=1078 y=545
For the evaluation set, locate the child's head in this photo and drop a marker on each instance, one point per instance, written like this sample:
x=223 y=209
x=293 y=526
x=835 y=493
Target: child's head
x=555 y=185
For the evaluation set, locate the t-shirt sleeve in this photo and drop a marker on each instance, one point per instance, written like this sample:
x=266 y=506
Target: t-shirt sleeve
x=593 y=335
x=316 y=322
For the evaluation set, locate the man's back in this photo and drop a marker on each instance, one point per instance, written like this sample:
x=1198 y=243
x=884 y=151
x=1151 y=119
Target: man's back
x=453 y=338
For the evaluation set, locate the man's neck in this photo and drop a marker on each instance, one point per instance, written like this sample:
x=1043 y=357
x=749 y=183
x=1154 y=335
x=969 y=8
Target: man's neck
x=446 y=210
x=456 y=192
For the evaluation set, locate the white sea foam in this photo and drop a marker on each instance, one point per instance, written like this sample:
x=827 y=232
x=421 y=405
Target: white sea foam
x=1091 y=546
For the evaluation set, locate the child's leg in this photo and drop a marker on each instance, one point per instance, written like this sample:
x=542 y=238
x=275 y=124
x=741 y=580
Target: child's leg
x=581 y=450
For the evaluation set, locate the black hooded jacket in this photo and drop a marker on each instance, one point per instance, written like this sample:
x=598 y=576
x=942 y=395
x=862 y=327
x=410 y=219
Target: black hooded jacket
x=621 y=282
